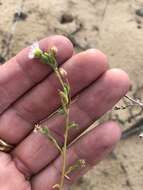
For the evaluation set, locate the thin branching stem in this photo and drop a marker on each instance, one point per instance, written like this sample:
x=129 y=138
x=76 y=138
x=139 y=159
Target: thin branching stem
x=49 y=58
x=65 y=150
x=57 y=72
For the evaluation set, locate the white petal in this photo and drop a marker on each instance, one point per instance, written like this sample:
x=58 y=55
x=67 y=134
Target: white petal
x=30 y=55
x=34 y=46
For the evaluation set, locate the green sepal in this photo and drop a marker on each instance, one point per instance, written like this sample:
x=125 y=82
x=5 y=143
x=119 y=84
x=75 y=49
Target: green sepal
x=73 y=125
x=64 y=98
x=66 y=89
x=38 y=53
x=44 y=130
x=78 y=165
x=49 y=59
x=61 y=111
x=45 y=58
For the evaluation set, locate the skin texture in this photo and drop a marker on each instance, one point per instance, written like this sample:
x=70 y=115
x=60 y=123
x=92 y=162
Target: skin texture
x=28 y=94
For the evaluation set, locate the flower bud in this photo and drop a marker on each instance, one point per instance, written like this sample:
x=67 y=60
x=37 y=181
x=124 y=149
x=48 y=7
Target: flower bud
x=63 y=72
x=54 y=49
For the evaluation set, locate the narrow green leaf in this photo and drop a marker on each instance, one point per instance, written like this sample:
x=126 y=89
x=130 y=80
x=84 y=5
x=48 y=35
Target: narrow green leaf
x=45 y=58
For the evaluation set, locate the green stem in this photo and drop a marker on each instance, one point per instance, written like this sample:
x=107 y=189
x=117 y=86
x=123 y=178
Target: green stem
x=57 y=72
x=64 y=151
x=49 y=58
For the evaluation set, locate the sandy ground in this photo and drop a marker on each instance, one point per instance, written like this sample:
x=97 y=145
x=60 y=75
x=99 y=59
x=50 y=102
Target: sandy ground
x=109 y=25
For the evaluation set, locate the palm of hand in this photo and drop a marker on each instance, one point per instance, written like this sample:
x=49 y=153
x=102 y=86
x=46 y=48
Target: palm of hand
x=29 y=94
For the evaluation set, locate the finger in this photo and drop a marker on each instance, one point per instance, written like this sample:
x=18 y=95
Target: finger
x=92 y=103
x=10 y=177
x=91 y=148
x=43 y=99
x=20 y=73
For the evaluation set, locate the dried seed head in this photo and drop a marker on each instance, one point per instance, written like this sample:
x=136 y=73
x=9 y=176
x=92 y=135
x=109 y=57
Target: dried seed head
x=36 y=128
x=82 y=163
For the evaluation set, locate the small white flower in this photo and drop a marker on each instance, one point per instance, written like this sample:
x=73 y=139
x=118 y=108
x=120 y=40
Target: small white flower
x=34 y=50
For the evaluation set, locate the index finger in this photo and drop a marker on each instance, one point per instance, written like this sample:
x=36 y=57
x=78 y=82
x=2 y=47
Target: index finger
x=20 y=73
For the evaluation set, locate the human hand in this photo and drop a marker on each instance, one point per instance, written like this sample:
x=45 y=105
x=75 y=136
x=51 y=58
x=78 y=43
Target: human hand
x=28 y=94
